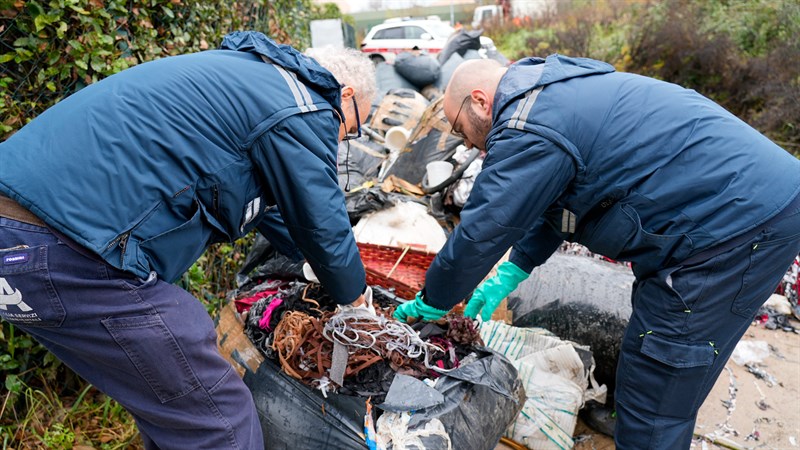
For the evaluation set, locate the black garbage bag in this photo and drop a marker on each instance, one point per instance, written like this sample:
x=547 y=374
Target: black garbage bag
x=420 y=70
x=294 y=416
x=264 y=259
x=582 y=299
x=460 y=42
x=487 y=386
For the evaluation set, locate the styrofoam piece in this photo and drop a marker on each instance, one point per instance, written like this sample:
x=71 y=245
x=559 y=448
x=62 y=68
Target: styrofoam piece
x=405 y=223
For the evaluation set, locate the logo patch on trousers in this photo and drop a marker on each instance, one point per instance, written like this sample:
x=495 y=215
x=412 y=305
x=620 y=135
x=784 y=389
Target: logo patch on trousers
x=17 y=258
x=11 y=297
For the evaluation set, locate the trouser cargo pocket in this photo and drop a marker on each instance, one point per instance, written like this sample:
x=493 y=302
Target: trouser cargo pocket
x=669 y=375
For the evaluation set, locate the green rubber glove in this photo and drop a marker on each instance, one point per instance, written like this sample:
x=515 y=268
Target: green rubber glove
x=417 y=309
x=488 y=296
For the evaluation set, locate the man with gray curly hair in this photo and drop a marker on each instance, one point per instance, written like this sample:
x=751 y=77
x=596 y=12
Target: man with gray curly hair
x=352 y=69
x=110 y=195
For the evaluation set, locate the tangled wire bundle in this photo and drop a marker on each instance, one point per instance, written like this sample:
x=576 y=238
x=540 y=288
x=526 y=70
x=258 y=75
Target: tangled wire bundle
x=304 y=344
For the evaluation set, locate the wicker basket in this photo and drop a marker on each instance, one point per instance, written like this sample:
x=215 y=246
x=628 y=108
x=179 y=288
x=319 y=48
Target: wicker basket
x=401 y=268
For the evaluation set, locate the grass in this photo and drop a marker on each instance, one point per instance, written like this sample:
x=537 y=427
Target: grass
x=47 y=406
x=89 y=420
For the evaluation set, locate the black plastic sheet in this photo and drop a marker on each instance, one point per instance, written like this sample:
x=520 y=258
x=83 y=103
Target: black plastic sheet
x=410 y=166
x=364 y=201
x=263 y=259
x=460 y=42
x=294 y=417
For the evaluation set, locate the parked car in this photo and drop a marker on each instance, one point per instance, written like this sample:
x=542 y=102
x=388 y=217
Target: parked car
x=489 y=15
x=397 y=35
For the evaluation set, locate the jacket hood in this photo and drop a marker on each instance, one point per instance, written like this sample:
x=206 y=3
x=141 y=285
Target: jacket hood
x=306 y=68
x=533 y=72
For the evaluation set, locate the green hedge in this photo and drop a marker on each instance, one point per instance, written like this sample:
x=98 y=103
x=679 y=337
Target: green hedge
x=51 y=49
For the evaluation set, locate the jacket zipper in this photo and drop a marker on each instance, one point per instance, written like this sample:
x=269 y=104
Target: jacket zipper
x=122 y=241
x=215 y=201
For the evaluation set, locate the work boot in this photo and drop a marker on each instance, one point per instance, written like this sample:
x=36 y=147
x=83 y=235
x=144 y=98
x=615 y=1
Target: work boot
x=601 y=418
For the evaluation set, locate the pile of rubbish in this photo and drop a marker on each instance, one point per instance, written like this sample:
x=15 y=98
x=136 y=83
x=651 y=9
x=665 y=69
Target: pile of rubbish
x=407 y=154
x=351 y=351
x=323 y=367
x=428 y=74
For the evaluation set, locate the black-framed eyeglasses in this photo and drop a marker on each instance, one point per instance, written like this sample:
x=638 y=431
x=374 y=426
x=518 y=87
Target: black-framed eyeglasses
x=347 y=135
x=453 y=131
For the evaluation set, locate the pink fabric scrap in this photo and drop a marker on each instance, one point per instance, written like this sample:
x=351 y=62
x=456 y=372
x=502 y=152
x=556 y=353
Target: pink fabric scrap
x=244 y=304
x=264 y=322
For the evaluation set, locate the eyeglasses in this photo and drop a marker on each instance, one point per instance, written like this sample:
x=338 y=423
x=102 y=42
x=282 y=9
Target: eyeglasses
x=453 y=131
x=347 y=135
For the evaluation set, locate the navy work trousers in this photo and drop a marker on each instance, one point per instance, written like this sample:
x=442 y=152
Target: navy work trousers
x=685 y=324
x=146 y=343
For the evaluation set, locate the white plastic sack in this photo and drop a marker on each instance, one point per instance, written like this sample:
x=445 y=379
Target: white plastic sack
x=403 y=224
x=750 y=352
x=463 y=186
x=392 y=433
x=779 y=303
x=556 y=383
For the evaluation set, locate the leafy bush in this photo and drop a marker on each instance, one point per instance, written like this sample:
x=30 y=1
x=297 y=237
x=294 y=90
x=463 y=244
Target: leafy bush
x=745 y=55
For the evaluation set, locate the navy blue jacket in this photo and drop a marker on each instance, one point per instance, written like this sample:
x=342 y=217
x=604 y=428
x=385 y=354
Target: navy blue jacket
x=147 y=167
x=634 y=168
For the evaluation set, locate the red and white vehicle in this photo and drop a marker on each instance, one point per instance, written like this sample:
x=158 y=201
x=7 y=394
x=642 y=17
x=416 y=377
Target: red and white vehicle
x=394 y=36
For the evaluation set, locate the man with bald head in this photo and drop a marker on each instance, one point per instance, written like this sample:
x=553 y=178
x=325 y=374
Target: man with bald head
x=704 y=207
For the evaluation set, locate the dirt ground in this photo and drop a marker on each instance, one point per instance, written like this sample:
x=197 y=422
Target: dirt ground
x=743 y=411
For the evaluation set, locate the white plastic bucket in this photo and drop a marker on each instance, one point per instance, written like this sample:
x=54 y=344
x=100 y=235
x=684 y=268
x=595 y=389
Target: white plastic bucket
x=396 y=138
x=438 y=172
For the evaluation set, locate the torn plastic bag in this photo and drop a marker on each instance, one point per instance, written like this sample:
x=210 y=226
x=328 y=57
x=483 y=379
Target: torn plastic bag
x=460 y=42
x=360 y=163
x=582 y=299
x=485 y=388
x=557 y=375
x=430 y=141
x=365 y=201
x=419 y=69
x=410 y=394
x=258 y=252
